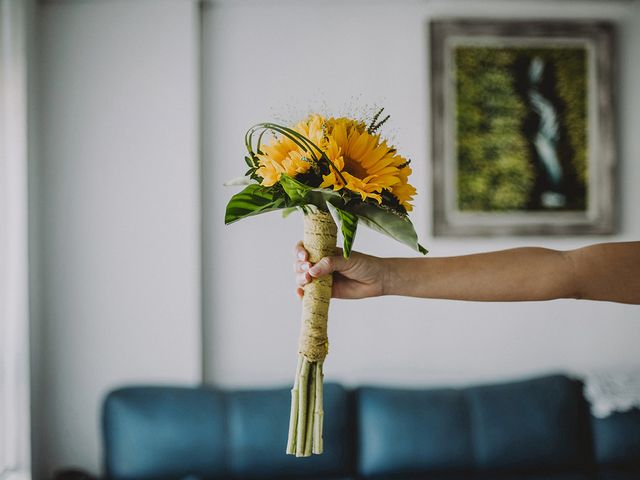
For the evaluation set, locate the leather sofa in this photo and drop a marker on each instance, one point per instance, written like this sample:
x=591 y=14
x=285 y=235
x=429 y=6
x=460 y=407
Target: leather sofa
x=534 y=429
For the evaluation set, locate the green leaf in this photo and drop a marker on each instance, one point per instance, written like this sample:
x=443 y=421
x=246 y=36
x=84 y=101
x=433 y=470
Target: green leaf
x=301 y=194
x=296 y=190
x=393 y=225
x=348 y=223
x=254 y=199
x=320 y=198
x=288 y=211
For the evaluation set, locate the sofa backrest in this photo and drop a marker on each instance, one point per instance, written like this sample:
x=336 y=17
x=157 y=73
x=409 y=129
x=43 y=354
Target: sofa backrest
x=539 y=424
x=543 y=424
x=153 y=433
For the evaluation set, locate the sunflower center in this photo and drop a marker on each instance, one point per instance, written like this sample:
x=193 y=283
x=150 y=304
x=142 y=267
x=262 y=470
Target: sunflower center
x=354 y=168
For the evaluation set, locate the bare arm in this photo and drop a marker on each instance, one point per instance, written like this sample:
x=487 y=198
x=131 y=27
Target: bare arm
x=609 y=271
x=508 y=275
x=599 y=272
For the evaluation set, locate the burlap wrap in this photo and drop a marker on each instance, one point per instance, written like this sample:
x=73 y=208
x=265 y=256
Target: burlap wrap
x=320 y=234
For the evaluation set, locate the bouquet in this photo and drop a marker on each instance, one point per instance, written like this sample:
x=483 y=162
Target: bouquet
x=340 y=173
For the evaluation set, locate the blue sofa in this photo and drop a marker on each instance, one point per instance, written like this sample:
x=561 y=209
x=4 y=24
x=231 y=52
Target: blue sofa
x=534 y=429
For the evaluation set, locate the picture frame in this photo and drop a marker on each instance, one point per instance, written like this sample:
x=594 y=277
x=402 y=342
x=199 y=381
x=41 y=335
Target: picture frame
x=522 y=120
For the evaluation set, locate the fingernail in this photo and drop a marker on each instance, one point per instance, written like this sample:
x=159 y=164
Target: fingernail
x=312 y=271
x=301 y=255
x=304 y=267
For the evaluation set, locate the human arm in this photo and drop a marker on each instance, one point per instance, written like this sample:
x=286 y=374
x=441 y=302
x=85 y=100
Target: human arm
x=607 y=271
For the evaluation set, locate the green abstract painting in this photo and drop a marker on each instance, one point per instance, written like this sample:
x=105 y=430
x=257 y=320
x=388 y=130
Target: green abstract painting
x=521 y=128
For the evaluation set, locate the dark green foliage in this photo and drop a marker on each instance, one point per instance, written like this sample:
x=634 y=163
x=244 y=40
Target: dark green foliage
x=391 y=224
x=348 y=225
x=375 y=125
x=254 y=199
x=496 y=169
x=571 y=73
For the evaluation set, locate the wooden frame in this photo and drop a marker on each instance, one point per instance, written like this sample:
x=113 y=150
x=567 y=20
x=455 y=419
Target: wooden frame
x=455 y=212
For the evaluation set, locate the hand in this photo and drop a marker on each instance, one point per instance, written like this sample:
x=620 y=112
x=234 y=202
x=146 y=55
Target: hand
x=359 y=276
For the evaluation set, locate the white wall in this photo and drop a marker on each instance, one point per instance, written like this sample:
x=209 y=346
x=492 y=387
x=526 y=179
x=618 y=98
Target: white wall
x=15 y=451
x=115 y=207
x=268 y=58
x=116 y=195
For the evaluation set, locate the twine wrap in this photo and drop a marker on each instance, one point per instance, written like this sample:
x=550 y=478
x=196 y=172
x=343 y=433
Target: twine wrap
x=320 y=235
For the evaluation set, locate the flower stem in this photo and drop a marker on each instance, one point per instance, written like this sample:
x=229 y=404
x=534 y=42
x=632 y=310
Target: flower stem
x=318 y=414
x=302 y=408
x=293 y=417
x=310 y=409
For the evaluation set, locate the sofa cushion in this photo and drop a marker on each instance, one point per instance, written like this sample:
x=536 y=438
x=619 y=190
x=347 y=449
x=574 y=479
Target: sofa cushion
x=412 y=431
x=536 y=476
x=153 y=433
x=538 y=425
x=258 y=428
x=541 y=423
x=494 y=476
x=617 y=439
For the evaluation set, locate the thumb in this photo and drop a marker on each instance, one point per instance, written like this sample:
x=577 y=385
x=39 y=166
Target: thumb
x=327 y=265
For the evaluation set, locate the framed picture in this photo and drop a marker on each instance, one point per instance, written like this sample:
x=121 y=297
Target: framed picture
x=522 y=127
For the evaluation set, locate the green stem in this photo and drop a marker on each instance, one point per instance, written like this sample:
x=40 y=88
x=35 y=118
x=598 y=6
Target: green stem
x=302 y=408
x=318 y=444
x=308 y=440
x=293 y=417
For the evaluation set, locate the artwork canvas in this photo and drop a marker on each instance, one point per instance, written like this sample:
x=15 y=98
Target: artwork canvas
x=522 y=127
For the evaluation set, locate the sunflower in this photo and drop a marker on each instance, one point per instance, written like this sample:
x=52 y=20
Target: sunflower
x=403 y=191
x=283 y=155
x=361 y=162
x=365 y=164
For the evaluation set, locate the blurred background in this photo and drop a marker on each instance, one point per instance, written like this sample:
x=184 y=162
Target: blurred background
x=137 y=111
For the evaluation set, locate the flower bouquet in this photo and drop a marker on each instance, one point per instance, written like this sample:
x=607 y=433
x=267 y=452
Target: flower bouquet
x=339 y=172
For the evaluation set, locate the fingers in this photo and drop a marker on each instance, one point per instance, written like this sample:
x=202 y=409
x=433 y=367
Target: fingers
x=301 y=267
x=300 y=252
x=304 y=270
x=301 y=264
x=327 y=265
x=303 y=278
